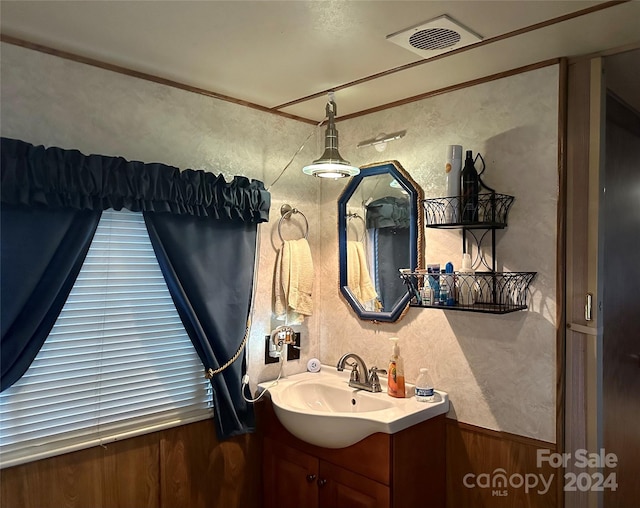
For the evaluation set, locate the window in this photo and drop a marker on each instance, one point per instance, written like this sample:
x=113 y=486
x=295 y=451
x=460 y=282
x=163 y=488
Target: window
x=117 y=363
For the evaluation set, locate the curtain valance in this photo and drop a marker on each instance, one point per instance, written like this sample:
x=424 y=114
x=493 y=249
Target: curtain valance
x=57 y=178
x=52 y=200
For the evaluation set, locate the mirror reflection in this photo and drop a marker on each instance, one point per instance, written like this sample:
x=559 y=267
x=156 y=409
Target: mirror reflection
x=378 y=242
x=379 y=236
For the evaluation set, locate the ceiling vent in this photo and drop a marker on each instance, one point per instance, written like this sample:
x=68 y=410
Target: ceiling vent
x=434 y=37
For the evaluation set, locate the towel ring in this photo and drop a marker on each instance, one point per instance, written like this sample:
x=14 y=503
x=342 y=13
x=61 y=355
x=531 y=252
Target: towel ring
x=286 y=212
x=356 y=215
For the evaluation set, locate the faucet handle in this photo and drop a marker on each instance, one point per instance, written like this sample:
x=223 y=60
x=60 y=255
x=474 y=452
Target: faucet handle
x=373 y=378
x=355 y=372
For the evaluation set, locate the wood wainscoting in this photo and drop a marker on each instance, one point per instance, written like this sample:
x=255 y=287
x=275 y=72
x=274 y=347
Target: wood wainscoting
x=187 y=467
x=182 y=467
x=474 y=451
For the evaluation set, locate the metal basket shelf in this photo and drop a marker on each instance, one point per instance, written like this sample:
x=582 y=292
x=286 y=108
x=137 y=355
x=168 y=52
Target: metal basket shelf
x=493 y=292
x=445 y=212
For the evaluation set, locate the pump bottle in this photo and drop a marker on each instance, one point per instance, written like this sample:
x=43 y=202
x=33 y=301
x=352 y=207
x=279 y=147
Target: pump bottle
x=395 y=380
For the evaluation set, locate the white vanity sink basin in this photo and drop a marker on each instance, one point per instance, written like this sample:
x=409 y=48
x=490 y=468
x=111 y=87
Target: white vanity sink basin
x=327 y=398
x=322 y=409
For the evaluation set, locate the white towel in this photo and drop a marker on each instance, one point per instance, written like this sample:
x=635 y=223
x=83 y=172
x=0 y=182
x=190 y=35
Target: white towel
x=358 y=278
x=293 y=282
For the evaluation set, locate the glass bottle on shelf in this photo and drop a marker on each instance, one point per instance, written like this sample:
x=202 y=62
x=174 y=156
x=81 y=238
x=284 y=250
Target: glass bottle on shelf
x=470 y=187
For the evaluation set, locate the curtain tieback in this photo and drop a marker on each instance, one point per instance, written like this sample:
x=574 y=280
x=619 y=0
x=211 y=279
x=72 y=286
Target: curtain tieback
x=209 y=373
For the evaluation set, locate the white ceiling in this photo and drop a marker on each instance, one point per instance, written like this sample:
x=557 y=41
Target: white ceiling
x=272 y=53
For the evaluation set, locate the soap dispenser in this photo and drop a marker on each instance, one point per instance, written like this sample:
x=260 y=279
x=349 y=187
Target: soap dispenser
x=395 y=380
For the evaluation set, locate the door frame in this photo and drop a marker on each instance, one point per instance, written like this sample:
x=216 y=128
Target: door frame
x=580 y=386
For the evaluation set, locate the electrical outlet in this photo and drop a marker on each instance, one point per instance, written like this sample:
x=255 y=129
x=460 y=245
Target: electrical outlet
x=293 y=350
x=268 y=359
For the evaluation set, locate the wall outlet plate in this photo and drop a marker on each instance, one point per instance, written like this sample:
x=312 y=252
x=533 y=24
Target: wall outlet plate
x=268 y=359
x=293 y=350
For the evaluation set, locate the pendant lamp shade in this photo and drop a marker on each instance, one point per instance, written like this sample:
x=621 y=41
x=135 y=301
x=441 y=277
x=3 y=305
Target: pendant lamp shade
x=331 y=164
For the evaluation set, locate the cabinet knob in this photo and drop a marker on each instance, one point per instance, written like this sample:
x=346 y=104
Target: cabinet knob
x=311 y=477
x=322 y=482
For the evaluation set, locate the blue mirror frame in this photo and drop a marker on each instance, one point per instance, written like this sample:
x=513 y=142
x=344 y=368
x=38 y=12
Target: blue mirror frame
x=416 y=236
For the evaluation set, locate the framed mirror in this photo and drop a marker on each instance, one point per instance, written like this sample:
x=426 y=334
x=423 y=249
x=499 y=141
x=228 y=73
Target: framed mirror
x=380 y=231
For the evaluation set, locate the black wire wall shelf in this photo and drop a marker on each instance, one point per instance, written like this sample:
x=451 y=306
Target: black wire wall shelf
x=492 y=292
x=489 y=291
x=490 y=213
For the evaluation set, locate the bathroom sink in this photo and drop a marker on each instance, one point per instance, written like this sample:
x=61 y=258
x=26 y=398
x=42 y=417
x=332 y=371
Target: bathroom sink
x=322 y=409
x=325 y=398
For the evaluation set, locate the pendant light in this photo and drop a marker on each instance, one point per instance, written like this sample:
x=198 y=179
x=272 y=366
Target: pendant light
x=331 y=164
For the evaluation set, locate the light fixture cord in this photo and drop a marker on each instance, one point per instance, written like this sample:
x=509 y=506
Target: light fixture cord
x=331 y=99
x=297 y=152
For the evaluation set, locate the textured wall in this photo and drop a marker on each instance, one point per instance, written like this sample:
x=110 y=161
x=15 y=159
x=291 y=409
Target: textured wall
x=499 y=370
x=55 y=102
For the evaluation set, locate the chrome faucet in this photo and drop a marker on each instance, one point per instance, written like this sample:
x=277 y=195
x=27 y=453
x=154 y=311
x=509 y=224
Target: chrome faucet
x=360 y=377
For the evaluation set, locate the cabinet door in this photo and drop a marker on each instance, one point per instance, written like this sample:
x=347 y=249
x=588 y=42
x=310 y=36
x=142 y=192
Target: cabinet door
x=290 y=477
x=340 y=488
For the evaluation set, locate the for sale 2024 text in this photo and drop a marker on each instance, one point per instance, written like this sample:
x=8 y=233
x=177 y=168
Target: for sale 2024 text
x=582 y=459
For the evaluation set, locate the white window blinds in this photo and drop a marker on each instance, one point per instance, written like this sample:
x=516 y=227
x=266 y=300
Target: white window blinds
x=117 y=363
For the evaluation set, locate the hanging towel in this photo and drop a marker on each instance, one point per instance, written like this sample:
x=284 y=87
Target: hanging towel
x=358 y=278
x=293 y=282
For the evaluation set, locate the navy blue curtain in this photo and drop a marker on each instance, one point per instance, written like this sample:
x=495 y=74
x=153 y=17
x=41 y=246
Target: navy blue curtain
x=42 y=252
x=209 y=268
x=203 y=230
x=57 y=178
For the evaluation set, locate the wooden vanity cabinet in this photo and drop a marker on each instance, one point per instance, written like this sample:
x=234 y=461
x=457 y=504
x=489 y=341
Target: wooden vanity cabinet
x=294 y=479
x=289 y=476
x=403 y=470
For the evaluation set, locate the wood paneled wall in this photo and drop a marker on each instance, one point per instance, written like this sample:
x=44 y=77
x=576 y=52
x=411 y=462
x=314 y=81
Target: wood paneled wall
x=475 y=451
x=187 y=467
x=181 y=467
